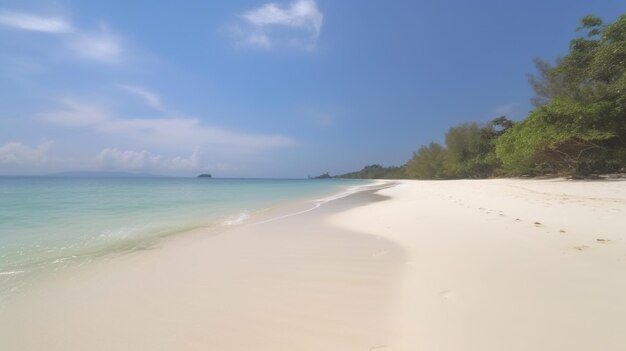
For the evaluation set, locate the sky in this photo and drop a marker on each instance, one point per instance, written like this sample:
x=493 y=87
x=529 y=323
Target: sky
x=250 y=88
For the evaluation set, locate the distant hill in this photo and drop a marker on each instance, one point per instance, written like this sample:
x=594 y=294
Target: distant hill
x=104 y=174
x=370 y=172
x=376 y=172
x=323 y=176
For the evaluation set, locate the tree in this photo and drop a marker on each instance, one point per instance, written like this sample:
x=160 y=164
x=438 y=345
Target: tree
x=469 y=152
x=498 y=126
x=427 y=163
x=376 y=171
x=466 y=144
x=556 y=138
x=471 y=148
x=579 y=125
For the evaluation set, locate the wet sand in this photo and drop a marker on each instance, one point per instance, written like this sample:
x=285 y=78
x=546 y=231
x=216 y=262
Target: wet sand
x=422 y=265
x=294 y=283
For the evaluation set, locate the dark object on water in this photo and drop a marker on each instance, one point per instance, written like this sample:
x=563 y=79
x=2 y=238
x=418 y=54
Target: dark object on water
x=323 y=176
x=205 y=175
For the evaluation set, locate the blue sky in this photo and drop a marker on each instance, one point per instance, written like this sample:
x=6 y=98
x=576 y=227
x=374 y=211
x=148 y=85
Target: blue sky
x=262 y=89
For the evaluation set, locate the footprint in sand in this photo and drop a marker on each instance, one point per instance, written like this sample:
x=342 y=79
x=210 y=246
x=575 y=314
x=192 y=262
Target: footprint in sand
x=603 y=241
x=517 y=220
x=581 y=247
x=537 y=224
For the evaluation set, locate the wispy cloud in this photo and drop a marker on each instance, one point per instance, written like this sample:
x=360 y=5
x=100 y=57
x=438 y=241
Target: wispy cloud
x=171 y=131
x=150 y=98
x=77 y=114
x=20 y=154
x=298 y=24
x=144 y=160
x=100 y=46
x=26 y=21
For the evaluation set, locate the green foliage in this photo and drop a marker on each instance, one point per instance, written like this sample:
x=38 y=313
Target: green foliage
x=469 y=153
x=591 y=22
x=322 y=176
x=427 y=163
x=579 y=125
x=376 y=172
x=561 y=137
x=395 y=173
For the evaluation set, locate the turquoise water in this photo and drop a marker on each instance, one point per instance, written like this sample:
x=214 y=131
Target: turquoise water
x=47 y=220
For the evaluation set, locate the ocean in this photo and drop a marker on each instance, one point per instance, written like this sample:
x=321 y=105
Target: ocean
x=52 y=221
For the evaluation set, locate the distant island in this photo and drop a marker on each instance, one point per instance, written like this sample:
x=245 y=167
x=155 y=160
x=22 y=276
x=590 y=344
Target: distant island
x=369 y=172
x=323 y=176
x=205 y=175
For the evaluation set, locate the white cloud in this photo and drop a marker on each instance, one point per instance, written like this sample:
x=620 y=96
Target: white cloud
x=77 y=114
x=144 y=160
x=298 y=24
x=299 y=14
x=116 y=159
x=259 y=39
x=179 y=132
x=149 y=97
x=20 y=154
x=182 y=163
x=26 y=21
x=102 y=46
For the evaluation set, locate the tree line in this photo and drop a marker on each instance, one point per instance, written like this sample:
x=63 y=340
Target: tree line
x=577 y=126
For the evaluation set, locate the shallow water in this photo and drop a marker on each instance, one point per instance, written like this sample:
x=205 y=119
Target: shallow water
x=45 y=221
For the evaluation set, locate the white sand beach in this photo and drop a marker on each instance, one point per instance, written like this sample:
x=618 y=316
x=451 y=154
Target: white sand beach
x=422 y=265
x=505 y=264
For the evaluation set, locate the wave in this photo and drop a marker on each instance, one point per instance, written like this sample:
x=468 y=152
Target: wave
x=11 y=272
x=319 y=202
x=236 y=220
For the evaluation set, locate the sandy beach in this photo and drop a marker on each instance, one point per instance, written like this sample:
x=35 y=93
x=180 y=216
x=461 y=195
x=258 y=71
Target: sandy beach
x=505 y=264
x=419 y=265
x=282 y=282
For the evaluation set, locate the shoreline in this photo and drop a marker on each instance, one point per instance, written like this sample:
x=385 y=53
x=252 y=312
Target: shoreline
x=323 y=287
x=507 y=264
x=18 y=277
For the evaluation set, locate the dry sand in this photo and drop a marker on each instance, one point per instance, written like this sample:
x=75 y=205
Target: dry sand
x=449 y=265
x=506 y=264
